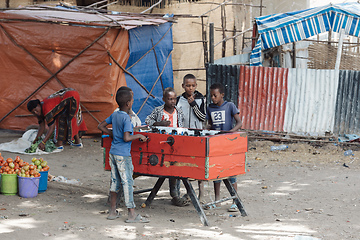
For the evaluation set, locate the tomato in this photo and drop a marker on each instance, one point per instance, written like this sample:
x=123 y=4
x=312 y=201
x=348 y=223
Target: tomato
x=9 y=160
x=31 y=167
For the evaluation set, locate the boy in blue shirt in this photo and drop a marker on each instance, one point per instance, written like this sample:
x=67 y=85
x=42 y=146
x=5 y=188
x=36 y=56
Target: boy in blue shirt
x=220 y=115
x=120 y=157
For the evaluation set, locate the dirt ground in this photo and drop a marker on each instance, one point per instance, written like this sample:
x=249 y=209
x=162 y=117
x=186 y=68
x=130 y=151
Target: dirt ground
x=306 y=192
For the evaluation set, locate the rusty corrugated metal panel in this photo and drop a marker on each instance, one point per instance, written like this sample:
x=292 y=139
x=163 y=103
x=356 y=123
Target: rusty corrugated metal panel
x=311 y=102
x=227 y=75
x=347 y=116
x=262 y=97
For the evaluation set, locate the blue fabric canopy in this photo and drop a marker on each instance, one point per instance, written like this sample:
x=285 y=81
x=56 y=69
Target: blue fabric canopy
x=144 y=65
x=278 y=29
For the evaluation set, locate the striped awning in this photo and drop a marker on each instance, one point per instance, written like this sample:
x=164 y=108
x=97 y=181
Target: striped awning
x=278 y=29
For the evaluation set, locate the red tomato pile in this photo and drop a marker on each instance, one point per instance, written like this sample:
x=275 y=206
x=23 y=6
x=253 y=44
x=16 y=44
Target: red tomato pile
x=22 y=168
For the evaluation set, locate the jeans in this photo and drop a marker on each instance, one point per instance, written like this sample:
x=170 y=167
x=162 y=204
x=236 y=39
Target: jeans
x=231 y=179
x=174 y=185
x=121 y=173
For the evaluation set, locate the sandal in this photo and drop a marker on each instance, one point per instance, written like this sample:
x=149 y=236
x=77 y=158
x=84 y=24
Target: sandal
x=138 y=219
x=113 y=217
x=186 y=200
x=233 y=208
x=78 y=145
x=212 y=206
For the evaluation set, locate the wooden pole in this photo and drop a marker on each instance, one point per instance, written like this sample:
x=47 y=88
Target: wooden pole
x=254 y=32
x=211 y=42
x=339 y=51
x=294 y=55
x=223 y=26
x=234 y=39
x=204 y=40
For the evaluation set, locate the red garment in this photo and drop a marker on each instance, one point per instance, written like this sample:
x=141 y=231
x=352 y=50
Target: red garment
x=63 y=109
x=172 y=117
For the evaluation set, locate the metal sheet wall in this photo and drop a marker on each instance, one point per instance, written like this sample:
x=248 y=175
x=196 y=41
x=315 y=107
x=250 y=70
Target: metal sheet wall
x=312 y=100
x=227 y=75
x=347 y=117
x=262 y=97
x=306 y=101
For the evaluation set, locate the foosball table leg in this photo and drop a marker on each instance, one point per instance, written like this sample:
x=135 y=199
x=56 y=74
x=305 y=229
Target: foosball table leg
x=195 y=201
x=237 y=198
x=153 y=192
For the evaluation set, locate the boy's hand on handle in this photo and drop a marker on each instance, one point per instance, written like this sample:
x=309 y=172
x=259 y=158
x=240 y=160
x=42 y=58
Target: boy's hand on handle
x=143 y=138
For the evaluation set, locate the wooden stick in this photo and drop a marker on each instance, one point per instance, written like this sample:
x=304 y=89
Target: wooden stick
x=204 y=40
x=188 y=69
x=189 y=42
x=303 y=140
x=223 y=26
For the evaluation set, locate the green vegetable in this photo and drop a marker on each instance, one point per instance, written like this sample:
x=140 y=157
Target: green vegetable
x=49 y=146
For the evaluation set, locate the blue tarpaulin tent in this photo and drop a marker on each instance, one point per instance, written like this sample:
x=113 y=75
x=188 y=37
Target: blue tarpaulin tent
x=147 y=65
x=278 y=29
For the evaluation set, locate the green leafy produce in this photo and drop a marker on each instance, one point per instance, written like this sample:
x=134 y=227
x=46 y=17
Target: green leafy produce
x=49 y=146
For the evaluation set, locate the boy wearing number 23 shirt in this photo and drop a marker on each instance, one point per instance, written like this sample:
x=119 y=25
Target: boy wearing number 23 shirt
x=220 y=115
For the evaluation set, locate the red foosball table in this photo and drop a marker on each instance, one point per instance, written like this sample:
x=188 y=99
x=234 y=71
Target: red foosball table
x=188 y=154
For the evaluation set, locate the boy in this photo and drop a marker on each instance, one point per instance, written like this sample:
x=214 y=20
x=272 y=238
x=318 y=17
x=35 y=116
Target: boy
x=192 y=103
x=169 y=115
x=135 y=120
x=120 y=157
x=220 y=115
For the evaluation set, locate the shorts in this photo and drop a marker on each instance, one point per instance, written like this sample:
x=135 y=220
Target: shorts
x=122 y=173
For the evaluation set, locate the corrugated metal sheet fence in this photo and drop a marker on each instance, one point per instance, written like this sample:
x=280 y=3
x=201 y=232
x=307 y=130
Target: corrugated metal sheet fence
x=227 y=75
x=312 y=99
x=262 y=97
x=347 y=117
x=307 y=101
